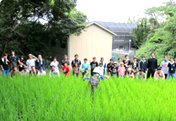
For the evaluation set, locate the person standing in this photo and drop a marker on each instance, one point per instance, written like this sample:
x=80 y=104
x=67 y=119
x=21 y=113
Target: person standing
x=85 y=66
x=76 y=60
x=40 y=63
x=119 y=61
x=56 y=64
x=121 y=70
x=93 y=64
x=114 y=72
x=104 y=65
x=4 y=65
x=21 y=63
x=143 y=65
x=164 y=66
x=110 y=66
x=13 y=59
x=152 y=65
x=31 y=61
x=172 y=66
x=134 y=65
x=127 y=63
x=65 y=60
x=65 y=69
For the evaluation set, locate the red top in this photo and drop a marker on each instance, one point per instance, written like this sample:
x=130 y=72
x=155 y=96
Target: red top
x=65 y=70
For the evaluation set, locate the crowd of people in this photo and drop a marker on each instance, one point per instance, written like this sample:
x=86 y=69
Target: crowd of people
x=122 y=68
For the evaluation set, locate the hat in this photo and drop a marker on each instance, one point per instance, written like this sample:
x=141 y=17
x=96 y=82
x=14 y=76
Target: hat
x=141 y=70
x=86 y=68
x=22 y=56
x=101 y=63
x=171 y=57
x=52 y=65
x=159 y=68
x=129 y=69
x=121 y=63
x=115 y=62
x=25 y=66
x=143 y=56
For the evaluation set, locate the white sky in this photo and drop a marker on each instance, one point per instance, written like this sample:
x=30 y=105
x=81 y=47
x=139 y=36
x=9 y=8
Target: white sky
x=115 y=10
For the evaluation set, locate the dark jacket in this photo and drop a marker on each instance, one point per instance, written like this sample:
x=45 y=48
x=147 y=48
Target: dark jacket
x=40 y=65
x=143 y=65
x=152 y=64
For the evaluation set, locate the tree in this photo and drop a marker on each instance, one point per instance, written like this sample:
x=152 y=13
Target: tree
x=29 y=25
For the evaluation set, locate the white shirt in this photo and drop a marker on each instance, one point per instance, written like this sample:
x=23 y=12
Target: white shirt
x=55 y=64
x=99 y=70
x=41 y=74
x=54 y=73
x=30 y=62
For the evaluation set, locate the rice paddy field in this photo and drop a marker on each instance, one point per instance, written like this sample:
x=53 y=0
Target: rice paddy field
x=70 y=99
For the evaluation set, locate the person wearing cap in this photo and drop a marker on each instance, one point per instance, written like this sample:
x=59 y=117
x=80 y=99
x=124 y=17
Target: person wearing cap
x=114 y=72
x=159 y=74
x=76 y=60
x=93 y=64
x=130 y=73
x=13 y=59
x=172 y=66
x=85 y=66
x=121 y=70
x=25 y=71
x=143 y=64
x=152 y=65
x=53 y=72
x=41 y=72
x=65 y=69
x=4 y=62
x=134 y=65
x=110 y=66
x=104 y=64
x=14 y=71
x=141 y=75
x=65 y=60
x=164 y=66
x=127 y=63
x=31 y=61
x=40 y=63
x=21 y=63
x=55 y=63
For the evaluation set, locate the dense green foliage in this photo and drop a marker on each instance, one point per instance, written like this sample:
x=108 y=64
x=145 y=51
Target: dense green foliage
x=28 y=26
x=157 y=34
x=70 y=99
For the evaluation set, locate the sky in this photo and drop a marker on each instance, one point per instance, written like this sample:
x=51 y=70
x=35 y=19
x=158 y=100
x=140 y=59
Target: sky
x=115 y=10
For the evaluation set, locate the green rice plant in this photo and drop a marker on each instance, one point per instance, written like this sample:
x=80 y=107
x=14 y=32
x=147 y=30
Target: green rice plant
x=69 y=99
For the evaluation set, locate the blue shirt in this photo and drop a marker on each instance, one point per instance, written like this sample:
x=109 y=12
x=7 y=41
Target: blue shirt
x=84 y=66
x=14 y=58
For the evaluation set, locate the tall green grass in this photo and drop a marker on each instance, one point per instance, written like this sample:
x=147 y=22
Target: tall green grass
x=70 y=99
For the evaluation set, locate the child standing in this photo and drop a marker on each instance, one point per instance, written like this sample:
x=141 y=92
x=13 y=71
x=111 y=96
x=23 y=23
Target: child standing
x=85 y=66
x=114 y=70
x=76 y=70
x=121 y=70
x=93 y=64
x=65 y=69
x=172 y=66
x=134 y=65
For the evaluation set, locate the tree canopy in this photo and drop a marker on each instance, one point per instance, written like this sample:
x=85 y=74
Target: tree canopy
x=156 y=35
x=29 y=26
